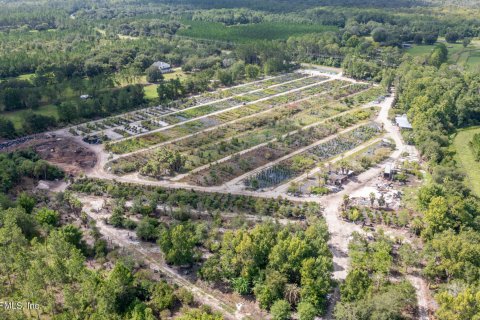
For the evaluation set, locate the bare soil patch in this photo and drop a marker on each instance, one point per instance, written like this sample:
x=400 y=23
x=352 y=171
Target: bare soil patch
x=66 y=153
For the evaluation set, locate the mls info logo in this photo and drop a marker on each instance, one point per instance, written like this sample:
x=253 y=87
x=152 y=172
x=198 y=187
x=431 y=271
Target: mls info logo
x=16 y=305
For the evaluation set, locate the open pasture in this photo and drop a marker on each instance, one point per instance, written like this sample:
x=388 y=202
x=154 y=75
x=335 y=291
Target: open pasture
x=465 y=57
x=466 y=157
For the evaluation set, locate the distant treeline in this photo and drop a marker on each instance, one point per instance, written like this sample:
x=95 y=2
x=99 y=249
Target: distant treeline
x=292 y=6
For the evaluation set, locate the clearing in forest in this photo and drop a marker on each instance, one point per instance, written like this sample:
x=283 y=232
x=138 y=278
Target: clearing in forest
x=465 y=155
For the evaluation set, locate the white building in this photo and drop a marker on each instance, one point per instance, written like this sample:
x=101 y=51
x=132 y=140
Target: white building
x=162 y=66
x=402 y=122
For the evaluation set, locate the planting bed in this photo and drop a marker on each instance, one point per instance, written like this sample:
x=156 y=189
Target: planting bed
x=308 y=159
x=223 y=141
x=155 y=114
x=238 y=100
x=236 y=166
x=180 y=130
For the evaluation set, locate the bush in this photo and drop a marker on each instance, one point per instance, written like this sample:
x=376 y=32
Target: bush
x=306 y=311
x=100 y=248
x=7 y=130
x=379 y=35
x=26 y=202
x=129 y=224
x=34 y=123
x=153 y=74
x=162 y=296
x=280 y=310
x=430 y=39
x=117 y=220
x=73 y=235
x=241 y=285
x=451 y=37
x=48 y=217
x=319 y=190
x=147 y=229
x=185 y=296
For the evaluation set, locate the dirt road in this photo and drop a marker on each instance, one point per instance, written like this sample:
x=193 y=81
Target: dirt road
x=340 y=230
x=240 y=105
x=151 y=255
x=118 y=156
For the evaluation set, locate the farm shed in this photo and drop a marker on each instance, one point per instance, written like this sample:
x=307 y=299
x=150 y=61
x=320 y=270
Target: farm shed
x=339 y=178
x=389 y=171
x=402 y=122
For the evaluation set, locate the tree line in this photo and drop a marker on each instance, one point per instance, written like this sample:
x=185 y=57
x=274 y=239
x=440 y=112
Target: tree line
x=439 y=100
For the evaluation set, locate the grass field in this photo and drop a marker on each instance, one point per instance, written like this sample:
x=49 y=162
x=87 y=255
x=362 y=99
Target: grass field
x=466 y=159
x=468 y=57
x=177 y=73
x=121 y=82
x=249 y=32
x=27 y=76
x=17 y=116
x=421 y=50
x=151 y=92
x=151 y=89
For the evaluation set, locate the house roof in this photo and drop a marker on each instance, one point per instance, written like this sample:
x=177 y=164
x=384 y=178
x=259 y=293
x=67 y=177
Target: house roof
x=402 y=122
x=161 y=65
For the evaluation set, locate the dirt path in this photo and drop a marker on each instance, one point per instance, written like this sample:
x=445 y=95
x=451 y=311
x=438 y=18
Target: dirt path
x=152 y=255
x=340 y=230
x=119 y=156
x=240 y=105
x=423 y=296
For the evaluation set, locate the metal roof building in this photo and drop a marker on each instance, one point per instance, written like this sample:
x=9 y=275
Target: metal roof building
x=402 y=122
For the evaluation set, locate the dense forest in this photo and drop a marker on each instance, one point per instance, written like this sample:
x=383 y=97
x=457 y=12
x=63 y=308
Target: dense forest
x=439 y=101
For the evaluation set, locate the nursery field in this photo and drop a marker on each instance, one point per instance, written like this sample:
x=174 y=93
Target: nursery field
x=237 y=132
x=315 y=154
x=194 y=119
x=153 y=118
